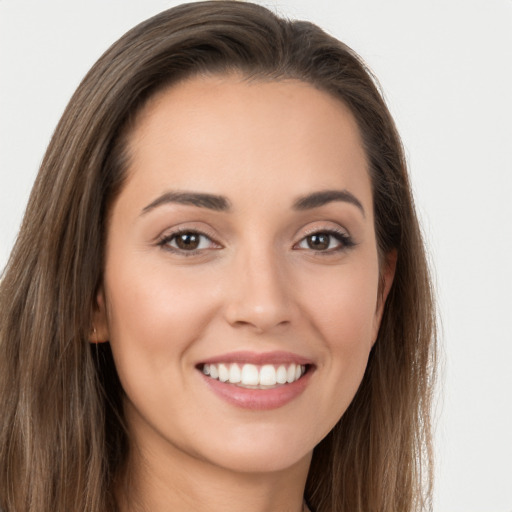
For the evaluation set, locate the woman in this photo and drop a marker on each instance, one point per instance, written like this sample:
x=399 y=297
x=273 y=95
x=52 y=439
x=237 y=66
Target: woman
x=219 y=297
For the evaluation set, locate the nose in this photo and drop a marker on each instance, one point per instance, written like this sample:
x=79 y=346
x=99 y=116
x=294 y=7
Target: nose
x=260 y=292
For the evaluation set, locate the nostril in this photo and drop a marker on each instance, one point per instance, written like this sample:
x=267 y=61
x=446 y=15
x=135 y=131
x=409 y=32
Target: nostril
x=260 y=318
x=258 y=296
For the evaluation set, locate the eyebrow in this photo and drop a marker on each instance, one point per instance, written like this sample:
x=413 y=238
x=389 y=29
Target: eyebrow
x=317 y=199
x=210 y=201
x=222 y=204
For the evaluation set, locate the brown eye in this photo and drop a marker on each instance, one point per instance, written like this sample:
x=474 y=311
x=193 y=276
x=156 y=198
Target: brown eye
x=319 y=241
x=326 y=241
x=188 y=241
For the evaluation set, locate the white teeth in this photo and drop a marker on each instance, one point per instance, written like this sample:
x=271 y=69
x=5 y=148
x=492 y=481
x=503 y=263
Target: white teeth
x=290 y=374
x=223 y=373
x=235 y=375
x=214 y=371
x=267 y=375
x=250 y=375
x=281 y=375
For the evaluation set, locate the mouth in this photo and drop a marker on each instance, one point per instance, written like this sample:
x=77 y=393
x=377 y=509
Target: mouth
x=257 y=381
x=254 y=376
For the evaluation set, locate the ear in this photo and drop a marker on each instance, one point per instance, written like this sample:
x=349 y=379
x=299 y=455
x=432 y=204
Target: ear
x=387 y=274
x=99 y=329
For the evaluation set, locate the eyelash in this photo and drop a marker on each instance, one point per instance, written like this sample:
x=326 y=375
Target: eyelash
x=168 y=238
x=345 y=241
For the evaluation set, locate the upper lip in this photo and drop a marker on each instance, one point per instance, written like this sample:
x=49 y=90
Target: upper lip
x=245 y=357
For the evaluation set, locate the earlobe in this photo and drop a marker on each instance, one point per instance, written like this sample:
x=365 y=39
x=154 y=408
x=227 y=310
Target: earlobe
x=99 y=329
x=387 y=276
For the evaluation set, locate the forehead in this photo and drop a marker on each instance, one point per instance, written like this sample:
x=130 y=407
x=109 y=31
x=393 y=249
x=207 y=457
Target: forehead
x=224 y=131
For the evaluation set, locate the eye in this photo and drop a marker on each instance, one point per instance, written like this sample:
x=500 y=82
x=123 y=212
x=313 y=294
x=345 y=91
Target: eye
x=326 y=241
x=187 y=241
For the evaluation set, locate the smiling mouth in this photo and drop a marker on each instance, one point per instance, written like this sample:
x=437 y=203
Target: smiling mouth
x=253 y=376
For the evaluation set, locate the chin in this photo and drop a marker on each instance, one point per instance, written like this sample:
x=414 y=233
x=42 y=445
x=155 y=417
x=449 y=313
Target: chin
x=260 y=450
x=253 y=461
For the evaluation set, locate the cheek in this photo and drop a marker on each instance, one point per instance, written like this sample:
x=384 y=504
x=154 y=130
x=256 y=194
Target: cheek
x=347 y=333
x=345 y=310
x=343 y=317
x=154 y=314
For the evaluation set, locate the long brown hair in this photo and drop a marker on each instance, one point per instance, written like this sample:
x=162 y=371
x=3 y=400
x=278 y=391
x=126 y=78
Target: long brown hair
x=62 y=438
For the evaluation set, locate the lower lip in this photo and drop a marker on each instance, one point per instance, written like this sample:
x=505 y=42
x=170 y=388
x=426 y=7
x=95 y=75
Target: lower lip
x=258 y=399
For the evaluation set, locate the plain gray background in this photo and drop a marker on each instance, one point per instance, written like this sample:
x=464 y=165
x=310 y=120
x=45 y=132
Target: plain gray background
x=446 y=70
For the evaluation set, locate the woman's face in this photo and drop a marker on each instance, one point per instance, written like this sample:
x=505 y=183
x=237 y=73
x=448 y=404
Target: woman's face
x=242 y=246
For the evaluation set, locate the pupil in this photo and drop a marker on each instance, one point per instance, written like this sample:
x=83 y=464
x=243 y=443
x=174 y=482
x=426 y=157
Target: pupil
x=188 y=241
x=318 y=242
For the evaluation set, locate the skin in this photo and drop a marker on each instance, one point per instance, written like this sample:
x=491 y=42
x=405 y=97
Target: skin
x=254 y=284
